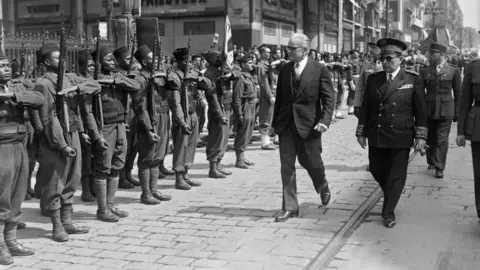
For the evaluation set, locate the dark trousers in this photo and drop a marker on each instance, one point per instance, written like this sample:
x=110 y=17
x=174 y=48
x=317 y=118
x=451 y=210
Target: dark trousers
x=244 y=132
x=112 y=160
x=58 y=174
x=150 y=155
x=201 y=113
x=87 y=166
x=341 y=90
x=13 y=180
x=309 y=155
x=217 y=138
x=132 y=148
x=476 y=173
x=438 y=132
x=184 y=146
x=389 y=168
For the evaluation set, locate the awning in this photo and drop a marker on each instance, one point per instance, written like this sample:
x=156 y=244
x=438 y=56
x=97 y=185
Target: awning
x=355 y=3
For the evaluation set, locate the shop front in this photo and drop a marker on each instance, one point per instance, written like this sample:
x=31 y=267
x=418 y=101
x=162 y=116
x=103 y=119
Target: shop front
x=279 y=21
x=330 y=43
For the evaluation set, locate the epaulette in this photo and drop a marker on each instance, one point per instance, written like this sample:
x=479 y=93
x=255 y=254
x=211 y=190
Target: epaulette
x=412 y=72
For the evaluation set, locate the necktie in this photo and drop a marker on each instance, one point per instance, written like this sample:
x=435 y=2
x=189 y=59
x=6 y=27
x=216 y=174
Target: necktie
x=390 y=78
x=297 y=72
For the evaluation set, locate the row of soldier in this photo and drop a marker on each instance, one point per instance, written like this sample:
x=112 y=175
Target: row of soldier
x=97 y=146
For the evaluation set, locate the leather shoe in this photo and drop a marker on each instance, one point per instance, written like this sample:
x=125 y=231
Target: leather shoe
x=241 y=164
x=224 y=172
x=248 y=162
x=285 y=215
x=269 y=147
x=161 y=197
x=5 y=256
x=389 y=222
x=17 y=249
x=166 y=171
x=21 y=225
x=75 y=229
x=325 y=194
x=438 y=174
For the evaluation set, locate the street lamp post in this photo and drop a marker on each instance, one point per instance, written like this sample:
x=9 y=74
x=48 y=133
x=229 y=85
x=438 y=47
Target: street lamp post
x=433 y=10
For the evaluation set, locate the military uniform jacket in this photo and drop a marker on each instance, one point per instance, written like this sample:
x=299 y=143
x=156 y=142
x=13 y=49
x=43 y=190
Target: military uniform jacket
x=439 y=86
x=263 y=73
x=88 y=118
x=391 y=116
x=53 y=129
x=213 y=89
x=244 y=91
x=367 y=69
x=12 y=117
x=469 y=112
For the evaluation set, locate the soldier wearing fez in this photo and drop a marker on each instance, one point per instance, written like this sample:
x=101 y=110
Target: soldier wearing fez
x=59 y=156
x=393 y=114
x=87 y=67
x=111 y=152
x=151 y=105
x=244 y=98
x=185 y=124
x=14 y=98
x=219 y=98
x=441 y=80
x=127 y=181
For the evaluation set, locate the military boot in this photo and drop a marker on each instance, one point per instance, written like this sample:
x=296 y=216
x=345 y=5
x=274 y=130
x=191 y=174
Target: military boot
x=66 y=218
x=103 y=212
x=131 y=179
x=146 y=197
x=222 y=171
x=58 y=232
x=214 y=173
x=180 y=182
x=154 y=186
x=240 y=163
x=164 y=170
x=86 y=192
x=123 y=183
x=189 y=181
x=14 y=247
x=5 y=256
x=112 y=183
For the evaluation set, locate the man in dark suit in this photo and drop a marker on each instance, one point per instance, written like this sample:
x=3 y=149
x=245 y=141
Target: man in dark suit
x=441 y=80
x=303 y=111
x=393 y=113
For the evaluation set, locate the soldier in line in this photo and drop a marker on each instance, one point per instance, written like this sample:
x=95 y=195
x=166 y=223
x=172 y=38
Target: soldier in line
x=441 y=80
x=126 y=180
x=59 y=151
x=87 y=67
x=198 y=63
x=390 y=128
x=151 y=106
x=219 y=97
x=14 y=169
x=244 y=98
x=109 y=162
x=185 y=125
x=267 y=97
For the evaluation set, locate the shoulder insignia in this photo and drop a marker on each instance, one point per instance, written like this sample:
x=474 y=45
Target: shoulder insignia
x=412 y=72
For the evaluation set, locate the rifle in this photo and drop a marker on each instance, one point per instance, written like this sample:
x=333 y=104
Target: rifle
x=160 y=56
x=86 y=53
x=95 y=77
x=130 y=64
x=151 y=91
x=22 y=60
x=270 y=68
x=185 y=72
x=61 y=73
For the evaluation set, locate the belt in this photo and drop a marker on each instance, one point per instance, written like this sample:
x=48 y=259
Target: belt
x=13 y=129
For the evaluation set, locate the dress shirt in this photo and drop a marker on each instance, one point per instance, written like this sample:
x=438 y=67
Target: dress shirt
x=394 y=74
x=300 y=66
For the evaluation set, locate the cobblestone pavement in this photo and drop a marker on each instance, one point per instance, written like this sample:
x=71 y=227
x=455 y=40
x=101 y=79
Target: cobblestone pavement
x=225 y=224
x=437 y=225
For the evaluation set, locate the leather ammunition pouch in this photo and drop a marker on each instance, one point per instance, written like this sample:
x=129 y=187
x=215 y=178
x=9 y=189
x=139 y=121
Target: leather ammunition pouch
x=113 y=112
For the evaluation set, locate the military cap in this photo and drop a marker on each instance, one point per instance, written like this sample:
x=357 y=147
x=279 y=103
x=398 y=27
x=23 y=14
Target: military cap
x=180 y=54
x=247 y=57
x=435 y=47
x=211 y=56
x=104 y=51
x=48 y=48
x=121 y=52
x=142 y=52
x=83 y=57
x=391 y=45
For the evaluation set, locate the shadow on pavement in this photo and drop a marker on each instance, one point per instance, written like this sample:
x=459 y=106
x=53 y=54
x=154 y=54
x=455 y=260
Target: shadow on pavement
x=345 y=168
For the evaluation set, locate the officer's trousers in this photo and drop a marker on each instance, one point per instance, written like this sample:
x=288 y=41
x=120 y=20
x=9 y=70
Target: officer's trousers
x=438 y=132
x=217 y=137
x=476 y=173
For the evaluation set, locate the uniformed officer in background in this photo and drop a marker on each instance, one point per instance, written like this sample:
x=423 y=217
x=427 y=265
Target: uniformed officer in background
x=14 y=98
x=441 y=80
x=392 y=116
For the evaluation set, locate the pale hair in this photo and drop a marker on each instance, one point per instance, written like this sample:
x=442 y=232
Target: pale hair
x=301 y=40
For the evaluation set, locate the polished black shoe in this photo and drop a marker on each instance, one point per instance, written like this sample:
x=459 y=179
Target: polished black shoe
x=59 y=234
x=431 y=167
x=161 y=197
x=17 y=249
x=21 y=225
x=285 y=215
x=248 y=162
x=87 y=196
x=224 y=172
x=5 y=256
x=124 y=184
x=76 y=229
x=118 y=212
x=166 y=171
x=389 y=222
x=192 y=182
x=325 y=194
x=149 y=200
x=438 y=174
x=131 y=179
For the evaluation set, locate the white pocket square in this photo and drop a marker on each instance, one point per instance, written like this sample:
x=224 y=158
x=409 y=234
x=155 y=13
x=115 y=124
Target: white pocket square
x=406 y=86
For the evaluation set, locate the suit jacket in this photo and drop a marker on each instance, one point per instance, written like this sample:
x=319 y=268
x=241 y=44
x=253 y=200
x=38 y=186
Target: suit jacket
x=313 y=102
x=439 y=86
x=469 y=112
x=391 y=116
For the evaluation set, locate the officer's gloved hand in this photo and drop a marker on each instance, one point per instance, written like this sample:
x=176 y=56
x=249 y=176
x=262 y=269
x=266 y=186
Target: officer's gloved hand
x=356 y=112
x=223 y=121
x=186 y=129
x=152 y=137
x=68 y=152
x=102 y=144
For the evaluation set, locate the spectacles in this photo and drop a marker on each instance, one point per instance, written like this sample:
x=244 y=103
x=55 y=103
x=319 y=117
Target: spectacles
x=388 y=58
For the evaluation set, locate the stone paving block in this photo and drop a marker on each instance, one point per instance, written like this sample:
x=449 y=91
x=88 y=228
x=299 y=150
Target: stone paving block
x=239 y=265
x=51 y=265
x=110 y=262
x=104 y=246
x=177 y=267
x=82 y=267
x=162 y=229
x=84 y=260
x=214 y=234
x=143 y=266
x=138 y=257
x=58 y=257
x=195 y=254
x=175 y=260
x=135 y=234
x=107 y=239
x=159 y=243
x=190 y=246
x=166 y=251
x=209 y=263
x=83 y=251
x=135 y=249
x=112 y=254
x=25 y=261
x=231 y=256
x=21 y=268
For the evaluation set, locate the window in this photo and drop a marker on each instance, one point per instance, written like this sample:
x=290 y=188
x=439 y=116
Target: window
x=269 y=28
x=347 y=10
x=43 y=9
x=287 y=30
x=199 y=28
x=161 y=29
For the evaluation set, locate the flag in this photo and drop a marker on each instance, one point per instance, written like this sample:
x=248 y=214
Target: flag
x=228 y=46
